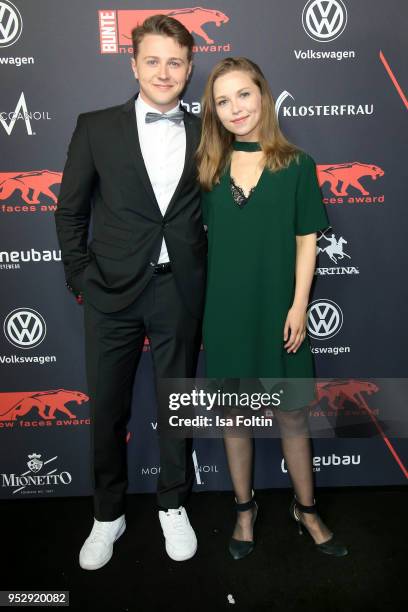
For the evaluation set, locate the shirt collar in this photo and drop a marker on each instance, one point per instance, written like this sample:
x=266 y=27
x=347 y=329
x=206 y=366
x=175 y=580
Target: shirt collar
x=142 y=108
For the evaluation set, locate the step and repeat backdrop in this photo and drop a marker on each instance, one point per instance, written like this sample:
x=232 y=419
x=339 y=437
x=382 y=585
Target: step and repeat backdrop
x=337 y=73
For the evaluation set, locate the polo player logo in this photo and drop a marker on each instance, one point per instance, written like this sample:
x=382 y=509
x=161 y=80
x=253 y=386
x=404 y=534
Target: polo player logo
x=334 y=250
x=347 y=175
x=31 y=185
x=44 y=403
x=324 y=20
x=192 y=18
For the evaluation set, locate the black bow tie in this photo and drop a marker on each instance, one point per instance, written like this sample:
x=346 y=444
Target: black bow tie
x=176 y=117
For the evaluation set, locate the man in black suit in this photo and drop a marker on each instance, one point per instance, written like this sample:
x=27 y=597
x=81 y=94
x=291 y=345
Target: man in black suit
x=143 y=273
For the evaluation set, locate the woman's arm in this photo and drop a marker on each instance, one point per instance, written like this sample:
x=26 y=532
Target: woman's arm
x=295 y=325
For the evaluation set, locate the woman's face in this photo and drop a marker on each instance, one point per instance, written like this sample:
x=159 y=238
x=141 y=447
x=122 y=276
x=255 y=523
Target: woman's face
x=238 y=103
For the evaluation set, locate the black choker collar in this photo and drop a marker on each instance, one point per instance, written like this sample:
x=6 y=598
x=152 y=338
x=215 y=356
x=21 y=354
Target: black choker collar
x=239 y=145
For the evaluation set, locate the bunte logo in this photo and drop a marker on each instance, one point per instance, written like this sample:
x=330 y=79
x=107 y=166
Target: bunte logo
x=115 y=26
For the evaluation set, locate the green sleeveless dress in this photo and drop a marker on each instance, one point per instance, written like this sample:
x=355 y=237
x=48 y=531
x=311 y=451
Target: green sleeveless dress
x=251 y=272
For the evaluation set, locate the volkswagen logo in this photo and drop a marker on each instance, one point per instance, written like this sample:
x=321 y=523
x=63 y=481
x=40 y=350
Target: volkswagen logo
x=324 y=319
x=324 y=20
x=11 y=24
x=24 y=328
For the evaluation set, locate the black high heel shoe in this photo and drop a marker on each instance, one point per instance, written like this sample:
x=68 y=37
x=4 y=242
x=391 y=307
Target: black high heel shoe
x=331 y=546
x=241 y=548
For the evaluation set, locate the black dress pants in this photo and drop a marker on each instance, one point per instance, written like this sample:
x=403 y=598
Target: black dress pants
x=113 y=345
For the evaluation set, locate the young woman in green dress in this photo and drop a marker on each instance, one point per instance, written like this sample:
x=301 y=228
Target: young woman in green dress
x=262 y=206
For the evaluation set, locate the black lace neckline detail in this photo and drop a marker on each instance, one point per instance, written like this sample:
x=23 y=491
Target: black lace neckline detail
x=238 y=193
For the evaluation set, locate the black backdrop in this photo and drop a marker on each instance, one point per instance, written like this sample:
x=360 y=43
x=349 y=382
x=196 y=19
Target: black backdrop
x=336 y=70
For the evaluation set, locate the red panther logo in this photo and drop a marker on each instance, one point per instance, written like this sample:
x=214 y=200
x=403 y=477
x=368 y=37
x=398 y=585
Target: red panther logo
x=37 y=181
x=348 y=175
x=45 y=403
x=339 y=392
x=192 y=18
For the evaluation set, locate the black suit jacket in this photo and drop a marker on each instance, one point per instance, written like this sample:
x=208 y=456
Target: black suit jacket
x=105 y=173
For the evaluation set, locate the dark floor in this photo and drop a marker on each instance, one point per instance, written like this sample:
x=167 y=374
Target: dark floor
x=41 y=539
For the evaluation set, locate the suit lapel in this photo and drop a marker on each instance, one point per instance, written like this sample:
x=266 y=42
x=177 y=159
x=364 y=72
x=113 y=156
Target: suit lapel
x=131 y=138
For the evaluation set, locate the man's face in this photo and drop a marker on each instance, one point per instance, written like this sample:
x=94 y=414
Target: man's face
x=162 y=69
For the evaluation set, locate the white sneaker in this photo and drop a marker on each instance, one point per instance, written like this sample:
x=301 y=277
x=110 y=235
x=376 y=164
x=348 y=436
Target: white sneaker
x=181 y=541
x=98 y=547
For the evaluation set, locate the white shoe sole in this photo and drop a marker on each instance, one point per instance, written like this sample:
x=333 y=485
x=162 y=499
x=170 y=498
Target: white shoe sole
x=184 y=557
x=89 y=566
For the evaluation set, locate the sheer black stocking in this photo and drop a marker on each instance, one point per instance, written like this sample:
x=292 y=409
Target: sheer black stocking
x=239 y=451
x=297 y=451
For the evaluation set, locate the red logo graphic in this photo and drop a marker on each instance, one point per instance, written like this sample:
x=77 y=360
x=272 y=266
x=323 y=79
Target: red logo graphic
x=394 y=79
x=352 y=391
x=342 y=177
x=41 y=404
x=339 y=392
x=115 y=27
x=31 y=186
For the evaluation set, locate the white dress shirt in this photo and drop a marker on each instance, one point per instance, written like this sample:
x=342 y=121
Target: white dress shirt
x=163 y=146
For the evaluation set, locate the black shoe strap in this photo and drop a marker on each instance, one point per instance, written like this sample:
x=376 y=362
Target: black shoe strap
x=305 y=509
x=245 y=506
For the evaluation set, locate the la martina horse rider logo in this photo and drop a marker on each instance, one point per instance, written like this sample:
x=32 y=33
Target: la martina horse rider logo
x=333 y=249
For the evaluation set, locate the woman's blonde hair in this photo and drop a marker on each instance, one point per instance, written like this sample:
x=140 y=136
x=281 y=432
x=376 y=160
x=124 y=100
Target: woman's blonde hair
x=214 y=150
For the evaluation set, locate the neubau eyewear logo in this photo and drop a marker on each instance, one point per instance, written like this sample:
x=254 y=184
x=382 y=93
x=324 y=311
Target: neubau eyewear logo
x=324 y=20
x=12 y=260
x=22 y=113
x=332 y=460
x=325 y=319
x=115 y=27
x=11 y=24
x=24 y=328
